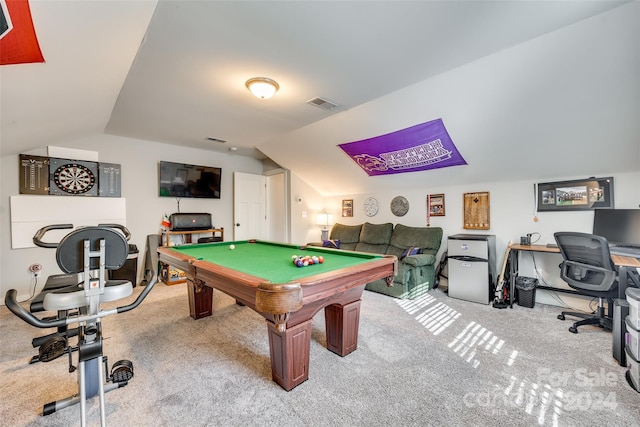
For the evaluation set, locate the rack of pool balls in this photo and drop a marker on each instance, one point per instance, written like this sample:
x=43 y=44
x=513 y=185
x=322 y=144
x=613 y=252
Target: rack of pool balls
x=303 y=261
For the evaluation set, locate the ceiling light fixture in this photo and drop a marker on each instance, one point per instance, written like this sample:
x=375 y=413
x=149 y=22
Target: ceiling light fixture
x=262 y=87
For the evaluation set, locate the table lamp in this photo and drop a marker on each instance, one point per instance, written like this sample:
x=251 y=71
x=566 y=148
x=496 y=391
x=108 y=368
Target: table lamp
x=325 y=219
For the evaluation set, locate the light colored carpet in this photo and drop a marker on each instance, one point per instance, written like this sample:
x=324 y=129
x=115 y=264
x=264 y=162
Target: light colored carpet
x=428 y=362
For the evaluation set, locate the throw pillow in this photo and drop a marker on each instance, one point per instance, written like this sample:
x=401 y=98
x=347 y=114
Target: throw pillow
x=411 y=250
x=333 y=244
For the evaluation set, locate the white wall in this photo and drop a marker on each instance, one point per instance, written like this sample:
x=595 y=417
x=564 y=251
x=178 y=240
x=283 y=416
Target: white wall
x=512 y=208
x=512 y=214
x=305 y=204
x=139 y=160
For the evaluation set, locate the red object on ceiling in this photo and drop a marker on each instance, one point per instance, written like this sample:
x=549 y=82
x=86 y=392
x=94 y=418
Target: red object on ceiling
x=18 y=41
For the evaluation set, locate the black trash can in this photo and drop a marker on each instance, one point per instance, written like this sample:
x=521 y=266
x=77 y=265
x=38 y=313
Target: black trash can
x=129 y=271
x=526 y=291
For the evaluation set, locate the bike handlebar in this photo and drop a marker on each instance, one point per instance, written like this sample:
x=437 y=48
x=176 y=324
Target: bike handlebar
x=37 y=239
x=13 y=306
x=140 y=298
x=18 y=310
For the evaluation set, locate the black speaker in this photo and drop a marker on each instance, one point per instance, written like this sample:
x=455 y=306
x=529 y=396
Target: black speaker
x=190 y=221
x=620 y=312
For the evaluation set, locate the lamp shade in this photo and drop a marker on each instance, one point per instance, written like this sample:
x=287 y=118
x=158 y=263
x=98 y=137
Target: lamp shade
x=324 y=219
x=262 y=87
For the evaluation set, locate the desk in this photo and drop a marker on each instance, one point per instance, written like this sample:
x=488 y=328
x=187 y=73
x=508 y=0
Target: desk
x=262 y=276
x=624 y=264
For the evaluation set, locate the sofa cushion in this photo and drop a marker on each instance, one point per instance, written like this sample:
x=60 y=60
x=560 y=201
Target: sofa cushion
x=376 y=234
x=403 y=236
x=374 y=249
x=374 y=238
x=348 y=235
x=419 y=260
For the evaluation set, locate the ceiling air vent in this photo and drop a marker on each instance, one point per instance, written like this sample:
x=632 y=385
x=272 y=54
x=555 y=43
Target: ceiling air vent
x=221 y=141
x=322 y=103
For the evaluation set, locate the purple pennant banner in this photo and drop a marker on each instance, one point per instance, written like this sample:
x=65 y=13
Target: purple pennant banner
x=420 y=147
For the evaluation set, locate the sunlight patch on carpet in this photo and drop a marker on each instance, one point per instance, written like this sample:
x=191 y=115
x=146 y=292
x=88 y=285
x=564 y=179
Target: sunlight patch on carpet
x=532 y=397
x=542 y=402
x=473 y=340
x=435 y=318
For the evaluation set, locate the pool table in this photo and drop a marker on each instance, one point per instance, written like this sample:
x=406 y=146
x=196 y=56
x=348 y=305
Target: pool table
x=262 y=276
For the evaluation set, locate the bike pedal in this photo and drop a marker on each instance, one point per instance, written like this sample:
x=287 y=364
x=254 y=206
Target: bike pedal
x=52 y=348
x=122 y=371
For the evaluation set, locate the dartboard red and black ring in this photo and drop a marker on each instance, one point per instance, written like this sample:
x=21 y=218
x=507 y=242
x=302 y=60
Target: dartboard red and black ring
x=74 y=178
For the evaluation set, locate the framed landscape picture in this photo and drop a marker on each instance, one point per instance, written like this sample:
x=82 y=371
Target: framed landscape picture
x=581 y=194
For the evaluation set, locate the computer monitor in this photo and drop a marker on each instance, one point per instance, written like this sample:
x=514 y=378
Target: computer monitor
x=619 y=226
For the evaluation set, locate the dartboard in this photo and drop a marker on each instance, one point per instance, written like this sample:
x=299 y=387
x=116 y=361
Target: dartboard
x=74 y=178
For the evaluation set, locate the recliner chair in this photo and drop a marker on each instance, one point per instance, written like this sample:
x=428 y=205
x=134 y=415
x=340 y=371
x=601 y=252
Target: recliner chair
x=588 y=268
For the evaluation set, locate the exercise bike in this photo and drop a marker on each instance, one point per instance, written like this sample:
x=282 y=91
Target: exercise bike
x=53 y=345
x=89 y=251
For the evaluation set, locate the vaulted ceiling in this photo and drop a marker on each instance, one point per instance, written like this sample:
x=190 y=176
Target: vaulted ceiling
x=174 y=71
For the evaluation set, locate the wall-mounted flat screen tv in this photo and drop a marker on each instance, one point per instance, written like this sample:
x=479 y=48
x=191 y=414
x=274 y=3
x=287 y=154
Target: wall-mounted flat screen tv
x=183 y=180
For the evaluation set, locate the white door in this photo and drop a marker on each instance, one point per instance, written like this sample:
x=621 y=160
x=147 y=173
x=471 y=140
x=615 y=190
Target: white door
x=249 y=213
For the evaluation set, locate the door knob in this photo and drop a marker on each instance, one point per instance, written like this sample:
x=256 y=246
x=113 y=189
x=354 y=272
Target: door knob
x=237 y=224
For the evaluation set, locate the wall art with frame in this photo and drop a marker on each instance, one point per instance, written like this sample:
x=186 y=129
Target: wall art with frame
x=347 y=207
x=575 y=195
x=436 y=204
x=476 y=211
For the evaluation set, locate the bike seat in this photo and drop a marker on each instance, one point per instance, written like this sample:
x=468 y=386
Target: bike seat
x=70 y=299
x=37 y=304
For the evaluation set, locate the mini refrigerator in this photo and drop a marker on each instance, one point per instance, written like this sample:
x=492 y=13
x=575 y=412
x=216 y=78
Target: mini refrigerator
x=472 y=267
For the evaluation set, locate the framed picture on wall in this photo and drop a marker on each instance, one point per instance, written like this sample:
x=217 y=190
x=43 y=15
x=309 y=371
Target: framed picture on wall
x=347 y=207
x=436 y=204
x=575 y=195
x=476 y=211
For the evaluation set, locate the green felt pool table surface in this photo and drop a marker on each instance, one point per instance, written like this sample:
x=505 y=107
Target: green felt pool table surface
x=261 y=275
x=272 y=261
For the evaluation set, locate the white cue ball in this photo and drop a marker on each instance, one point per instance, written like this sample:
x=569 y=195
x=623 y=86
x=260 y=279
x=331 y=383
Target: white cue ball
x=232 y=247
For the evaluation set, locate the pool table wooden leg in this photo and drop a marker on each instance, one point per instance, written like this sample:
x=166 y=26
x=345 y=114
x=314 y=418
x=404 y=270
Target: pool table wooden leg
x=290 y=354
x=342 y=322
x=200 y=299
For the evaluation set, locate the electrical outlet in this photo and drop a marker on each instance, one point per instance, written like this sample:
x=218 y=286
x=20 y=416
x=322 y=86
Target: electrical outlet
x=35 y=269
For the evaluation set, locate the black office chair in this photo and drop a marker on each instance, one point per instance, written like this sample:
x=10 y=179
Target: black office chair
x=588 y=268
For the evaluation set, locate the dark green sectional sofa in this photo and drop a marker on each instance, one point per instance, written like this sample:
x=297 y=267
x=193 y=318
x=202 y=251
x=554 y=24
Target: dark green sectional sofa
x=416 y=273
